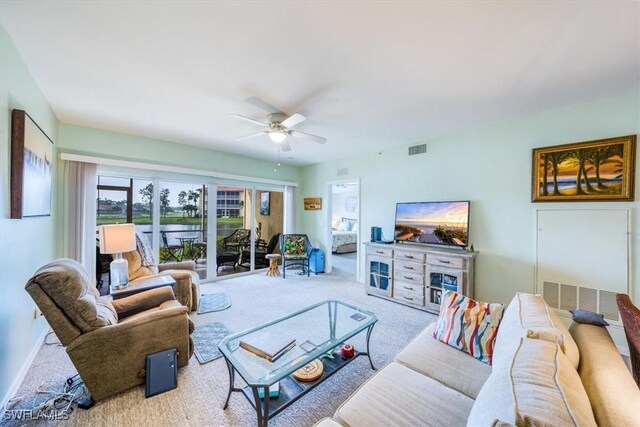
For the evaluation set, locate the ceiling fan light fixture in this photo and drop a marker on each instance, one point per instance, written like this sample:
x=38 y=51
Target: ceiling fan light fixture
x=277 y=135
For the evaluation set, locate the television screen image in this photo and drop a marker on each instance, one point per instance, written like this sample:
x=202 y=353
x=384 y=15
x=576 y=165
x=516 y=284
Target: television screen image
x=436 y=223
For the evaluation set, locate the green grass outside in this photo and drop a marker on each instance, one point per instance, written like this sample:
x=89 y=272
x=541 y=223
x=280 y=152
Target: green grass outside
x=169 y=219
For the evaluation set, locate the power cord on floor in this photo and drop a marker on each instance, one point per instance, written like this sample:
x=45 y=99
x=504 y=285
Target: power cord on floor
x=59 y=403
x=55 y=341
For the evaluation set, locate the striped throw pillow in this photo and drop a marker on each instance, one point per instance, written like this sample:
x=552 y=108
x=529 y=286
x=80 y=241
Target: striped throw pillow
x=468 y=325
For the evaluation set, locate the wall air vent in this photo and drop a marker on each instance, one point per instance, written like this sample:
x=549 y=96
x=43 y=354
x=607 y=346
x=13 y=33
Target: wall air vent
x=569 y=297
x=343 y=171
x=414 y=150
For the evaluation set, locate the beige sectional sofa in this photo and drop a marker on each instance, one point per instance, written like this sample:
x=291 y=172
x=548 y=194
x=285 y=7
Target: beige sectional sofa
x=542 y=374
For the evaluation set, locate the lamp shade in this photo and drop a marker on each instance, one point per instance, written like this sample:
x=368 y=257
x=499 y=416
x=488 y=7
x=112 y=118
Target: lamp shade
x=117 y=238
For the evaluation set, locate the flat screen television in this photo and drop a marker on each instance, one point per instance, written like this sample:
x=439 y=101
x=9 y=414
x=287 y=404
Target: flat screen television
x=433 y=223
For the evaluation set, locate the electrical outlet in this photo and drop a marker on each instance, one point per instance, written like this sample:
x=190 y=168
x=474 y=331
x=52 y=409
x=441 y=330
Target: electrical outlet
x=37 y=313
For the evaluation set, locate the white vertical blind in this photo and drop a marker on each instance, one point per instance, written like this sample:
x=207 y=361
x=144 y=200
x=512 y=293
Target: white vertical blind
x=289 y=209
x=155 y=218
x=81 y=192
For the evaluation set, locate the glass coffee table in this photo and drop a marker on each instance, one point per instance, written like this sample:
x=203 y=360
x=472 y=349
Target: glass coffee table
x=318 y=330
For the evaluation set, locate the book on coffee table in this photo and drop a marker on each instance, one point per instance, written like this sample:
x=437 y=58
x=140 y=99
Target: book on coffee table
x=267 y=344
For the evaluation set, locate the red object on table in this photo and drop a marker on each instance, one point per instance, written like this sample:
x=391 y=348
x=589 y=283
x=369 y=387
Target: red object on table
x=347 y=351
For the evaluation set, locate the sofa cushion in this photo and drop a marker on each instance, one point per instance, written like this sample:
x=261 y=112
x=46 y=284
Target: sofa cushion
x=588 y=317
x=327 y=422
x=614 y=395
x=468 y=325
x=67 y=284
x=529 y=315
x=294 y=247
x=399 y=396
x=539 y=387
x=444 y=363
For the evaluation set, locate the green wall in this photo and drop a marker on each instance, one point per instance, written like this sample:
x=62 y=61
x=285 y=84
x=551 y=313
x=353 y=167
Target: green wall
x=84 y=140
x=25 y=244
x=491 y=167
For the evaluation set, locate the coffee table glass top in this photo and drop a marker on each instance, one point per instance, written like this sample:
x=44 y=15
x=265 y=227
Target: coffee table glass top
x=320 y=327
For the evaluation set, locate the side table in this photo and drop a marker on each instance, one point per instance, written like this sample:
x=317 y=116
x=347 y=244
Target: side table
x=140 y=285
x=273 y=264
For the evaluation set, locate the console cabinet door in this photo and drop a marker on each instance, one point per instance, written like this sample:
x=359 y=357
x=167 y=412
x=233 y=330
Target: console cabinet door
x=379 y=274
x=440 y=279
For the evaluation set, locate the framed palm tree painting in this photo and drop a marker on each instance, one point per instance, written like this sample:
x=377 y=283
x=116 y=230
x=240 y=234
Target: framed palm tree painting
x=601 y=170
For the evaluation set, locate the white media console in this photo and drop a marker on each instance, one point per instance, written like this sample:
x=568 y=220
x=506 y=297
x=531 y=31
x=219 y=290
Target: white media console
x=416 y=275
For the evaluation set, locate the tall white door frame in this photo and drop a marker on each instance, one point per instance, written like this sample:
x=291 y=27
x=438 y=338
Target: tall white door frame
x=327 y=223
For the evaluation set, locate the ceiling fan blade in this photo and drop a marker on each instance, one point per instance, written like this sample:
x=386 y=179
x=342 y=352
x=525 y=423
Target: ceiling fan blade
x=252 y=135
x=263 y=105
x=293 y=120
x=285 y=146
x=255 y=122
x=307 y=136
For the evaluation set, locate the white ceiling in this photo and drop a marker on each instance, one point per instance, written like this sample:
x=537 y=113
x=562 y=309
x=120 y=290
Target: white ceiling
x=367 y=75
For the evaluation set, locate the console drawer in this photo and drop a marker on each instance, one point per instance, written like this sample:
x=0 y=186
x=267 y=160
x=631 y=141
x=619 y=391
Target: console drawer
x=445 y=261
x=408 y=288
x=405 y=276
x=408 y=255
x=408 y=266
x=409 y=297
x=380 y=251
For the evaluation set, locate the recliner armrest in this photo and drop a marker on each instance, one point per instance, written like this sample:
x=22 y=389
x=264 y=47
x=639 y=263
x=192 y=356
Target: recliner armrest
x=142 y=301
x=183 y=265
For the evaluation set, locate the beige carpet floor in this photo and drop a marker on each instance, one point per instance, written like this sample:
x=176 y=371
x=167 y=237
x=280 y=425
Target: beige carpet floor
x=202 y=388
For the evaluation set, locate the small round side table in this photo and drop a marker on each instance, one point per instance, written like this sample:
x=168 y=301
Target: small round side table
x=273 y=264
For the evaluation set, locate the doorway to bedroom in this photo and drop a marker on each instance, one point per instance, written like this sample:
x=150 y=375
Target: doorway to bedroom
x=345 y=227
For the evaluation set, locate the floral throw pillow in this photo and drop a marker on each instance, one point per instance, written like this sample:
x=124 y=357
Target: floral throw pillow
x=468 y=325
x=294 y=246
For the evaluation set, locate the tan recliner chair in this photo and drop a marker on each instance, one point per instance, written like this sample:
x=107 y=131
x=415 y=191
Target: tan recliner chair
x=108 y=341
x=187 y=287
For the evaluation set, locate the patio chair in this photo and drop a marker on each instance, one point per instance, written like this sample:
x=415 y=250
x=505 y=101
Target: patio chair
x=236 y=240
x=296 y=250
x=171 y=252
x=262 y=250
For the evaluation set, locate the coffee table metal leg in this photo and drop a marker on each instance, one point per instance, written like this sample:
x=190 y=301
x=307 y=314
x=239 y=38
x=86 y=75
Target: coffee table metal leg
x=369 y=329
x=232 y=377
x=263 y=415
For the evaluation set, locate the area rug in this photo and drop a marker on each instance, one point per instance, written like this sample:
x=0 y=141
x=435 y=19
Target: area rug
x=213 y=302
x=206 y=339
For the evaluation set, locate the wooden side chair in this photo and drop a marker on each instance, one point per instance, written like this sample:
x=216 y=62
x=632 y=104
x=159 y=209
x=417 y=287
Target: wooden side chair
x=631 y=321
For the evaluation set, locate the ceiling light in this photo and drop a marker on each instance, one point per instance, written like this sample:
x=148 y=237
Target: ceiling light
x=277 y=135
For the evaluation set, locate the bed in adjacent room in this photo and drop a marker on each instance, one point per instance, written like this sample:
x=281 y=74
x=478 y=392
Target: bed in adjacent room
x=344 y=237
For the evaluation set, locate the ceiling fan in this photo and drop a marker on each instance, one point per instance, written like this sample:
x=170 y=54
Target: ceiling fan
x=279 y=125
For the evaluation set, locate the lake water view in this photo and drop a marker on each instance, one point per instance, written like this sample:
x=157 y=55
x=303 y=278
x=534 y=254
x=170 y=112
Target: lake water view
x=184 y=230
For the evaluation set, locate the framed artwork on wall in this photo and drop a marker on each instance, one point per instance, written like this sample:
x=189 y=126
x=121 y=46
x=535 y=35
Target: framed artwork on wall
x=351 y=204
x=601 y=170
x=31 y=168
x=312 y=203
x=264 y=203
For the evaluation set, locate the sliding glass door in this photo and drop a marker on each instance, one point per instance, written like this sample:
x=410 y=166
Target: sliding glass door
x=183 y=224
x=233 y=230
x=268 y=212
x=120 y=201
